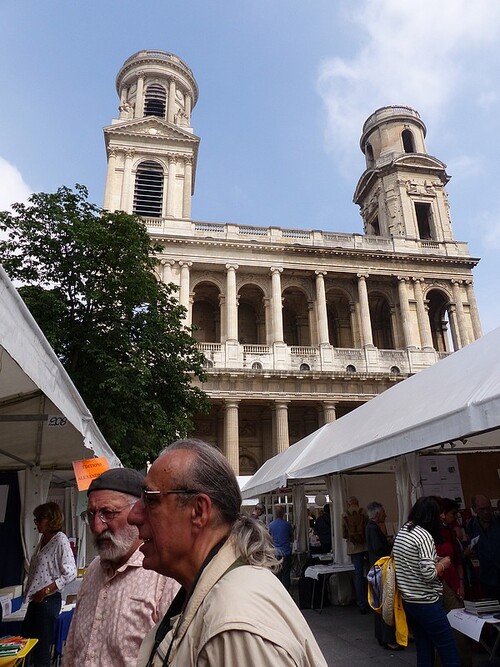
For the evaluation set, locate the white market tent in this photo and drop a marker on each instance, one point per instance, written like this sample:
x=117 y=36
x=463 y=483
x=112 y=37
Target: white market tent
x=453 y=406
x=34 y=386
x=44 y=423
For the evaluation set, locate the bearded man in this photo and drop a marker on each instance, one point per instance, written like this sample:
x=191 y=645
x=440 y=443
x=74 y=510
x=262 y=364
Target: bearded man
x=118 y=602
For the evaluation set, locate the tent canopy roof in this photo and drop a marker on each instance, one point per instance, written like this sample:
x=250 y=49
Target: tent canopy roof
x=43 y=419
x=453 y=405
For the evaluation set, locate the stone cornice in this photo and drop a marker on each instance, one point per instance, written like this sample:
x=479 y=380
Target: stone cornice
x=378 y=255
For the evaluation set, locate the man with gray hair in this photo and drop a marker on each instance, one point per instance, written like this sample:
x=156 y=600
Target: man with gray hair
x=231 y=609
x=119 y=601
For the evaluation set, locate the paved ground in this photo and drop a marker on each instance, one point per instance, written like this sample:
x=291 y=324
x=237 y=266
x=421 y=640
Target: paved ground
x=347 y=640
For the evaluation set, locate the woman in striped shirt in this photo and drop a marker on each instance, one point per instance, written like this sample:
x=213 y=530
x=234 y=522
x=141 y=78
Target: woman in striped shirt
x=417 y=574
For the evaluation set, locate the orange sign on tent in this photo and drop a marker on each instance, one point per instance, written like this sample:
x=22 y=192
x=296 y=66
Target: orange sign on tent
x=87 y=470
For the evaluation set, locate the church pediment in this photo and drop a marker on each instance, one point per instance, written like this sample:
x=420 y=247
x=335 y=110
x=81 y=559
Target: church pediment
x=151 y=126
x=418 y=160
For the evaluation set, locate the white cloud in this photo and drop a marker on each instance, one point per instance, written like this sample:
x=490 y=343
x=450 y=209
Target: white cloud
x=424 y=55
x=13 y=188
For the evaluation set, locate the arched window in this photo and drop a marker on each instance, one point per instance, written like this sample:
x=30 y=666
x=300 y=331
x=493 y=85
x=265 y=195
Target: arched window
x=395 y=370
x=305 y=367
x=369 y=156
x=148 y=192
x=408 y=141
x=256 y=366
x=155 y=100
x=350 y=369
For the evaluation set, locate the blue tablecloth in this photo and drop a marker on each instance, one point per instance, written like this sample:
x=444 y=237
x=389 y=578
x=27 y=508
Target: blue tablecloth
x=61 y=631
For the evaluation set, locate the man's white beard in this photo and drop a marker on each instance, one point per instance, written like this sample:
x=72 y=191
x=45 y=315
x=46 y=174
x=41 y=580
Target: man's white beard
x=115 y=546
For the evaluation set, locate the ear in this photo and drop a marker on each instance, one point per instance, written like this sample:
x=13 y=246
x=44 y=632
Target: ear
x=201 y=511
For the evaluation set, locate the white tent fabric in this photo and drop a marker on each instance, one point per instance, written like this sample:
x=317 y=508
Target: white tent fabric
x=453 y=406
x=44 y=422
x=408 y=486
x=300 y=518
x=33 y=491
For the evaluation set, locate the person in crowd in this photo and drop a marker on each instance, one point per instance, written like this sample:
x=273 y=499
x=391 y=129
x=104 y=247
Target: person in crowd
x=231 y=609
x=379 y=545
x=483 y=531
x=282 y=535
x=418 y=571
x=259 y=513
x=52 y=566
x=354 y=522
x=453 y=577
x=323 y=530
x=119 y=601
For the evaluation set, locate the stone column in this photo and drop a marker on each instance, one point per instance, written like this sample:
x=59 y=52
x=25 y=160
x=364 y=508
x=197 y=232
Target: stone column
x=424 y=325
x=231 y=440
x=366 y=327
x=321 y=305
x=455 y=336
x=405 y=312
x=474 y=313
x=126 y=203
x=139 y=96
x=462 y=326
x=187 y=108
x=110 y=177
x=231 y=303
x=188 y=185
x=171 y=100
x=266 y=301
x=354 y=325
x=329 y=412
x=223 y=318
x=282 y=437
x=184 y=286
x=277 y=305
x=166 y=273
x=172 y=163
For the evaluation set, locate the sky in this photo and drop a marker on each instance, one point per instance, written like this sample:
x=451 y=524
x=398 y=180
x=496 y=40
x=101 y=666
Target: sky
x=285 y=86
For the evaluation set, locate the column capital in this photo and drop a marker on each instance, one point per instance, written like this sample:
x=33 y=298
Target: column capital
x=418 y=279
x=141 y=75
x=164 y=262
x=172 y=158
x=186 y=264
x=468 y=282
x=363 y=276
x=231 y=402
x=233 y=267
x=276 y=269
x=129 y=153
x=403 y=279
x=113 y=152
x=281 y=403
x=188 y=159
x=456 y=282
x=321 y=273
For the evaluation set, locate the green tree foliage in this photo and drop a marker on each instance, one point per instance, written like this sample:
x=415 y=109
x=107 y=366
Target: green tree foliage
x=87 y=276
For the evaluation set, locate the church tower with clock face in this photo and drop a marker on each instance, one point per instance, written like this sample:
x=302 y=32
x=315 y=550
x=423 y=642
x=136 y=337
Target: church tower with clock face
x=298 y=326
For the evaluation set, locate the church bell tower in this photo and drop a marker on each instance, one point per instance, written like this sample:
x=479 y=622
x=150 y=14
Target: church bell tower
x=151 y=148
x=402 y=191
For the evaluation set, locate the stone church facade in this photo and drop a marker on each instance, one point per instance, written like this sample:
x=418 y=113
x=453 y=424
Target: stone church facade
x=298 y=326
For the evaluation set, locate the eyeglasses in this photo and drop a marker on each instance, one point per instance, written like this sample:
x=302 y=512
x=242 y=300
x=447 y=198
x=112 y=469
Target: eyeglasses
x=152 y=497
x=106 y=516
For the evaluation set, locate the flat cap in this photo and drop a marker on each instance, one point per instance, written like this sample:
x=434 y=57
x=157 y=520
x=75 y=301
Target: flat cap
x=124 y=480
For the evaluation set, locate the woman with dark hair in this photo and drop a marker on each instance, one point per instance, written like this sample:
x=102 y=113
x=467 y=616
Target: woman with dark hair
x=52 y=566
x=418 y=569
x=453 y=576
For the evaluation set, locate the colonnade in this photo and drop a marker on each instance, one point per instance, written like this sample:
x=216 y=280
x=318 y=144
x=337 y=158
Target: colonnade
x=280 y=433
x=463 y=329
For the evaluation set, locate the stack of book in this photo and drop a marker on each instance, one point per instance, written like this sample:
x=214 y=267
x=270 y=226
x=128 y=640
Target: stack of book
x=10 y=646
x=482 y=606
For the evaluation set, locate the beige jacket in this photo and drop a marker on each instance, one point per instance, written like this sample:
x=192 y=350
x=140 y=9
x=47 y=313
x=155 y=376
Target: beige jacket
x=244 y=617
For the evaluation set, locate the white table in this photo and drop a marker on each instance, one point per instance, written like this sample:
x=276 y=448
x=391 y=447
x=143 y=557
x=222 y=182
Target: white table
x=472 y=626
x=324 y=571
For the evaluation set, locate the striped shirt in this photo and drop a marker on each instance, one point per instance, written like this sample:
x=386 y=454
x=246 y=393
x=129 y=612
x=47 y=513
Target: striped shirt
x=415 y=560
